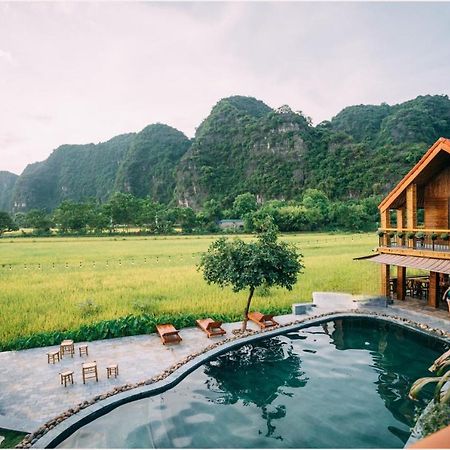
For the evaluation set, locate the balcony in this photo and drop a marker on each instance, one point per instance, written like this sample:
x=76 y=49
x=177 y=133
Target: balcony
x=415 y=241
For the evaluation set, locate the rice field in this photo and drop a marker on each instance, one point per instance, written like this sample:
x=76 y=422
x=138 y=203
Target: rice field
x=46 y=282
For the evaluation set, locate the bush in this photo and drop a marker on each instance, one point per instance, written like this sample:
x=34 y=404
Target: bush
x=436 y=419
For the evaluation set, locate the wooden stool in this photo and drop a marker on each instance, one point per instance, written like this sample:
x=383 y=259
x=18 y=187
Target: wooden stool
x=67 y=346
x=112 y=370
x=83 y=350
x=66 y=377
x=89 y=370
x=53 y=357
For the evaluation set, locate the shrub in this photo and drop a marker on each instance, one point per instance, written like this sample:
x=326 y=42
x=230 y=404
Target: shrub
x=400 y=234
x=445 y=236
x=420 y=235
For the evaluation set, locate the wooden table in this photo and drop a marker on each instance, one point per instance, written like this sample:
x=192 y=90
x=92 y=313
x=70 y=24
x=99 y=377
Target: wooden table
x=418 y=286
x=67 y=346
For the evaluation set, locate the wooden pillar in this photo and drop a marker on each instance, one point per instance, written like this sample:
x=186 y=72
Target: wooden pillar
x=385 y=278
x=385 y=223
x=401 y=283
x=433 y=290
x=411 y=210
x=401 y=224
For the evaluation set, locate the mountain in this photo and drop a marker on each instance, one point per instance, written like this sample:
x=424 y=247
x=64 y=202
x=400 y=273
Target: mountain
x=140 y=163
x=7 y=182
x=364 y=150
x=242 y=146
x=75 y=172
x=149 y=164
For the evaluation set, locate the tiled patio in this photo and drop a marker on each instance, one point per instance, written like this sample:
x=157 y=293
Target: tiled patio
x=30 y=392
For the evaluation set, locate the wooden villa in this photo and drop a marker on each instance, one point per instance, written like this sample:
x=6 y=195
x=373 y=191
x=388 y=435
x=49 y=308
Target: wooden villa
x=415 y=230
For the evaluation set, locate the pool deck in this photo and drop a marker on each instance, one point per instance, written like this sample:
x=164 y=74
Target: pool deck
x=30 y=392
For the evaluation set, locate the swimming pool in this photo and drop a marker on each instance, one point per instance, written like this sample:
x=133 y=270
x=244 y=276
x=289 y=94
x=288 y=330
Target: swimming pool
x=342 y=384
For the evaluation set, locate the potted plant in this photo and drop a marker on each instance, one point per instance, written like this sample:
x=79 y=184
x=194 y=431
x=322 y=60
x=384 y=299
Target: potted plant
x=411 y=235
x=420 y=235
x=433 y=236
x=445 y=236
x=400 y=234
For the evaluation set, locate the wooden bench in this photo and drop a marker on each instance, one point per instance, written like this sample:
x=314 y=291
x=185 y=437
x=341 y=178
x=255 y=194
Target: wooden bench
x=211 y=327
x=262 y=320
x=168 y=334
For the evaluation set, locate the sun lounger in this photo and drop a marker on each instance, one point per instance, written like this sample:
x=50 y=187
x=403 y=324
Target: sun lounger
x=263 y=320
x=211 y=327
x=168 y=333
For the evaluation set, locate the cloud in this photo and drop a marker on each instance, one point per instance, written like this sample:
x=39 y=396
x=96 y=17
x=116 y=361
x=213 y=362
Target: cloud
x=6 y=56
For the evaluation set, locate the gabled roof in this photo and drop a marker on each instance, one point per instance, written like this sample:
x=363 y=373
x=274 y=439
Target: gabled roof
x=441 y=145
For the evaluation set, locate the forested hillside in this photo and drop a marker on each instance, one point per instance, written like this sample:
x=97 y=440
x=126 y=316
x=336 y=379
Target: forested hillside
x=7 y=182
x=242 y=146
x=149 y=165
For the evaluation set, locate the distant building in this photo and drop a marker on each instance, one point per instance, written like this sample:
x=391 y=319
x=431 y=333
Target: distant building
x=235 y=224
x=415 y=230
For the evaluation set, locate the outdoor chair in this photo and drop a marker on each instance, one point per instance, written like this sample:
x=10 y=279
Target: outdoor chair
x=262 y=320
x=210 y=327
x=89 y=370
x=168 y=333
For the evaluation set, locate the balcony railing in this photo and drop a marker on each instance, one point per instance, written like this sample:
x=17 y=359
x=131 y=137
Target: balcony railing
x=436 y=240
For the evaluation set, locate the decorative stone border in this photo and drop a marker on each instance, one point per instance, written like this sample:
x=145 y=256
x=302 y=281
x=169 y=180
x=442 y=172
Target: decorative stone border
x=56 y=430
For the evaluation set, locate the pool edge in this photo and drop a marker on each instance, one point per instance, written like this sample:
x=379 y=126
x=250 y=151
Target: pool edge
x=67 y=426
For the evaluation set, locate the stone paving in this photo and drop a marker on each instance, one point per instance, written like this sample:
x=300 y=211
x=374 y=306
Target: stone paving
x=30 y=392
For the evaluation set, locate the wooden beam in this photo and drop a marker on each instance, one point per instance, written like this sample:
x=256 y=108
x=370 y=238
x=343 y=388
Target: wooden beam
x=411 y=206
x=411 y=210
x=385 y=223
x=385 y=278
x=401 y=283
x=433 y=290
x=401 y=223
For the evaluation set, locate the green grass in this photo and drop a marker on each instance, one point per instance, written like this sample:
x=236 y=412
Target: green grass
x=44 y=280
x=12 y=438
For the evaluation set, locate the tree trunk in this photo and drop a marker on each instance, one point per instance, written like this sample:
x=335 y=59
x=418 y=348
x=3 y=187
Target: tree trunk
x=247 y=307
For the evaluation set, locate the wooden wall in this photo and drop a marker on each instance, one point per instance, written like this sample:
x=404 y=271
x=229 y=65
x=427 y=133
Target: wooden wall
x=436 y=201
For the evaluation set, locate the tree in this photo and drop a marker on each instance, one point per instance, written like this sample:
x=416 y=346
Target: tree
x=38 y=220
x=244 y=204
x=250 y=265
x=123 y=209
x=73 y=216
x=6 y=223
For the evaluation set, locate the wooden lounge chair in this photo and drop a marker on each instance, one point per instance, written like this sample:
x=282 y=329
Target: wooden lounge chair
x=263 y=320
x=210 y=327
x=168 y=333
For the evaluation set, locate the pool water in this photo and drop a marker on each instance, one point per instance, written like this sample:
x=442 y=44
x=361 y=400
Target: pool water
x=343 y=384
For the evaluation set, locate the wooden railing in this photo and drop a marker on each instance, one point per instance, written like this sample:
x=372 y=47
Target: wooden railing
x=415 y=238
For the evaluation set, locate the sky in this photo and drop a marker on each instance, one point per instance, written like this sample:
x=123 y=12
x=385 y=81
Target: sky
x=75 y=73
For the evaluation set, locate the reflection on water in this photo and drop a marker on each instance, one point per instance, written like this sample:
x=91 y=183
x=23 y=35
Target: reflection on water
x=238 y=376
x=342 y=384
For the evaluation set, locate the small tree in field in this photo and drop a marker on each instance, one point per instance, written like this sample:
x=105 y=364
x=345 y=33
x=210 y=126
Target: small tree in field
x=250 y=265
x=6 y=223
